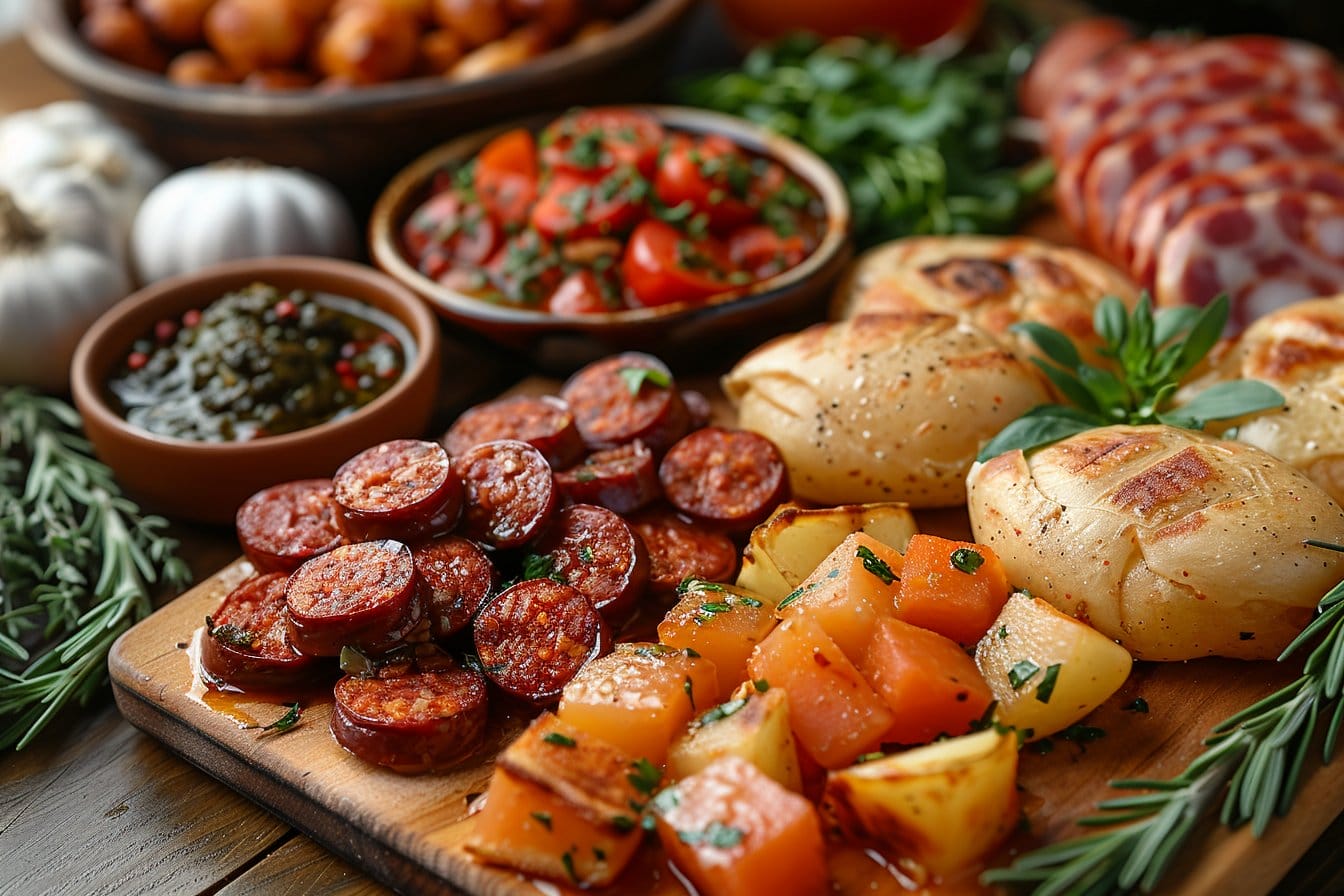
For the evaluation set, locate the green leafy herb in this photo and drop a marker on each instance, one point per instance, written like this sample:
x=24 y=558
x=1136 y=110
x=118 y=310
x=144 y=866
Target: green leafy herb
x=722 y=711
x=567 y=859
x=623 y=823
x=1003 y=632
x=544 y=818
x=636 y=377
x=586 y=151
x=746 y=601
x=355 y=662
x=869 y=757
x=1047 y=686
x=716 y=834
x=761 y=685
x=1138 y=704
x=555 y=738
x=876 y=565
x=586 y=554
x=966 y=560
x=644 y=776
x=691 y=583
x=285 y=723
x=716 y=607
x=229 y=634
x=690 y=691
x=1022 y=672
x=542 y=566
x=1150 y=353
x=78 y=562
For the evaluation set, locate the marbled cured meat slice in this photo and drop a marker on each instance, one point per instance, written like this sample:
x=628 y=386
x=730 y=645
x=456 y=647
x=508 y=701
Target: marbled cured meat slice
x=1124 y=62
x=1140 y=246
x=1265 y=250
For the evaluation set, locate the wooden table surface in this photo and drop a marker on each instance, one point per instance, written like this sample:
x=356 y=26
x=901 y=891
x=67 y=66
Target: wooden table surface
x=96 y=807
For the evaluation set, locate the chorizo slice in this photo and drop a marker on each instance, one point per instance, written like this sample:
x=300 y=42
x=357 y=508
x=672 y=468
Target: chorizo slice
x=698 y=406
x=281 y=527
x=543 y=421
x=679 y=549
x=363 y=595
x=509 y=493
x=731 y=478
x=535 y=636
x=247 y=644
x=627 y=397
x=456 y=577
x=412 y=721
x=403 y=489
x=622 y=479
x=598 y=553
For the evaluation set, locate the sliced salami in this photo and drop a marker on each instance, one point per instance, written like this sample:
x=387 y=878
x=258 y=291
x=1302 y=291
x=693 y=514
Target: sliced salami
x=1125 y=62
x=627 y=397
x=598 y=553
x=622 y=479
x=679 y=549
x=247 y=645
x=510 y=493
x=731 y=478
x=1140 y=248
x=281 y=527
x=543 y=421
x=456 y=578
x=364 y=595
x=404 y=489
x=1265 y=250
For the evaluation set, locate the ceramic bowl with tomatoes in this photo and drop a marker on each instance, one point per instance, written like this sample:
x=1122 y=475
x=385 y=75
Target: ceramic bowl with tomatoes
x=607 y=228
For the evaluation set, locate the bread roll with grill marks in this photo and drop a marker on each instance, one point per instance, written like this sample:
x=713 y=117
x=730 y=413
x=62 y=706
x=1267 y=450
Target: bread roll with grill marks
x=883 y=407
x=993 y=282
x=1176 y=544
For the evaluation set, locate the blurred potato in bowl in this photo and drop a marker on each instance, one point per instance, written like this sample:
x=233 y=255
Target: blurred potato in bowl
x=883 y=407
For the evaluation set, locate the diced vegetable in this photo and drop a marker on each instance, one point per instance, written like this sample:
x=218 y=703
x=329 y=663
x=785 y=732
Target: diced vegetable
x=849 y=592
x=640 y=697
x=1047 y=670
x=954 y=588
x=932 y=687
x=944 y=805
x=836 y=715
x=560 y=805
x=722 y=624
x=754 y=726
x=735 y=832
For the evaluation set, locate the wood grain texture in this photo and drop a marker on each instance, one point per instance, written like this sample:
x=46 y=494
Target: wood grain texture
x=299 y=867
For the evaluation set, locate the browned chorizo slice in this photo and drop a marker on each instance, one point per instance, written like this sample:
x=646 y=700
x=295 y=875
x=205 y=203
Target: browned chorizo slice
x=622 y=479
x=359 y=595
x=246 y=644
x=698 y=406
x=598 y=553
x=534 y=637
x=732 y=478
x=412 y=722
x=626 y=397
x=282 y=526
x=543 y=421
x=679 y=548
x=510 y=492
x=455 y=579
x=404 y=489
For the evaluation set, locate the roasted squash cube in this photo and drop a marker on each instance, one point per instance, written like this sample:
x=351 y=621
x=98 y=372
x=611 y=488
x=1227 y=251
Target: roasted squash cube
x=955 y=588
x=849 y=592
x=754 y=726
x=721 y=623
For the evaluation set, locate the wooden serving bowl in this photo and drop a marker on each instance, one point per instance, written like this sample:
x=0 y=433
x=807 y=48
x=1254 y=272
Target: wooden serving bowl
x=677 y=332
x=207 y=481
x=358 y=137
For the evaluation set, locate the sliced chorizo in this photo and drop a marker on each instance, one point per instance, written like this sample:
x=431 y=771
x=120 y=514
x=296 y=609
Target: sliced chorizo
x=456 y=577
x=247 y=645
x=679 y=548
x=731 y=478
x=281 y=527
x=363 y=595
x=627 y=397
x=404 y=489
x=509 y=493
x=698 y=406
x=622 y=479
x=412 y=721
x=598 y=553
x=543 y=421
x=535 y=636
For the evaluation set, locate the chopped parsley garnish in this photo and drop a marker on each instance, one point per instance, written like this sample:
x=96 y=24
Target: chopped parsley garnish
x=716 y=834
x=623 y=823
x=542 y=566
x=1021 y=673
x=875 y=565
x=586 y=151
x=966 y=560
x=644 y=776
x=1047 y=686
x=586 y=554
x=689 y=688
x=636 y=377
x=1138 y=704
x=568 y=861
x=544 y=818
x=761 y=685
x=282 y=724
x=230 y=634
x=722 y=711
x=691 y=258
x=691 y=583
x=1003 y=632
x=555 y=738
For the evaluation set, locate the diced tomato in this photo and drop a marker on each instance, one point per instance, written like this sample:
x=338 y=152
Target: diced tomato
x=457 y=231
x=506 y=175
x=761 y=252
x=712 y=175
x=595 y=141
x=584 y=292
x=574 y=207
x=662 y=265
x=526 y=269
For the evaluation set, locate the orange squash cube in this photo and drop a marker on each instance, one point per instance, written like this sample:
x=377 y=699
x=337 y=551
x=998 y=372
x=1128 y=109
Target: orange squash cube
x=721 y=625
x=733 y=831
x=852 y=588
x=835 y=714
x=559 y=806
x=640 y=697
x=954 y=588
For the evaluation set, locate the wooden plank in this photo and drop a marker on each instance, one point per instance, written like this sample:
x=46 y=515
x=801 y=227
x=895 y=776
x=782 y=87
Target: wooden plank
x=299 y=867
x=27 y=82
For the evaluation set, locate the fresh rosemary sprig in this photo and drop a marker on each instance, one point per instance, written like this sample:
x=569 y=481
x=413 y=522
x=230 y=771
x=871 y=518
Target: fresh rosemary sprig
x=1253 y=761
x=1151 y=353
x=77 y=562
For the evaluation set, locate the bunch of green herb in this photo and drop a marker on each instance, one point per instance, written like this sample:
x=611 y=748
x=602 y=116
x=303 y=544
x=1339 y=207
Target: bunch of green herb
x=77 y=562
x=1151 y=354
x=1252 y=762
x=917 y=141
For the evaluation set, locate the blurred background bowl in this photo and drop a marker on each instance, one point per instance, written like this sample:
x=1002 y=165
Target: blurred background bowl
x=679 y=332
x=207 y=481
x=356 y=137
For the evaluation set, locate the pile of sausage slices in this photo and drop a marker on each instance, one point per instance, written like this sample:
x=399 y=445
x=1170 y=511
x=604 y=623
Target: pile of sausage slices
x=504 y=557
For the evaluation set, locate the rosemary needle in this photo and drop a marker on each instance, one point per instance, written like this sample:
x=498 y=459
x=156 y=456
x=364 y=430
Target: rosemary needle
x=1253 y=761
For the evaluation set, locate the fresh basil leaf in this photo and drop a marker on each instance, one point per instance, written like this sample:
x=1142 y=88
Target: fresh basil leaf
x=1056 y=346
x=1105 y=387
x=1069 y=385
x=1111 y=320
x=1224 y=401
x=1027 y=433
x=1204 y=334
x=1172 y=323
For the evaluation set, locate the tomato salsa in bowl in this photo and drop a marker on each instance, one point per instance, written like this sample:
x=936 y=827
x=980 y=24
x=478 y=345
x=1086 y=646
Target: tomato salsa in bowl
x=650 y=227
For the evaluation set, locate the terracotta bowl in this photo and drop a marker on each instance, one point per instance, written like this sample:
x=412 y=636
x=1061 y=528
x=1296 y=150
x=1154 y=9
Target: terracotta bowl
x=207 y=482
x=561 y=343
x=356 y=138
